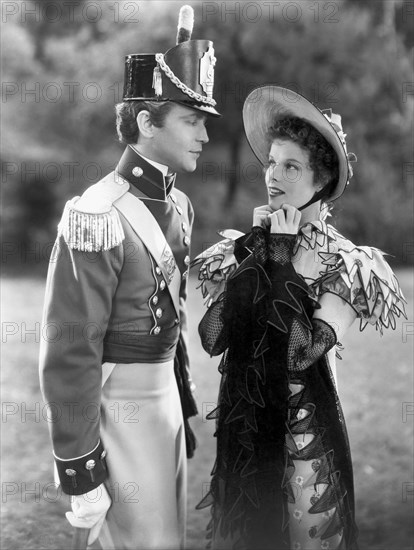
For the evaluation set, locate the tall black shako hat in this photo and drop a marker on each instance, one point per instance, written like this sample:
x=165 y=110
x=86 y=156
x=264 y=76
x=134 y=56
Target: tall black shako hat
x=184 y=74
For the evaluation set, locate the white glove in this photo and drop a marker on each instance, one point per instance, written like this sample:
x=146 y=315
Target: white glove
x=89 y=511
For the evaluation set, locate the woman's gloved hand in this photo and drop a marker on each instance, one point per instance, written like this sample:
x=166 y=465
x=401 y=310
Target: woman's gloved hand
x=285 y=220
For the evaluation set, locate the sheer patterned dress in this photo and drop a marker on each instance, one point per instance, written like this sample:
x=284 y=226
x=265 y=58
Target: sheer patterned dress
x=283 y=473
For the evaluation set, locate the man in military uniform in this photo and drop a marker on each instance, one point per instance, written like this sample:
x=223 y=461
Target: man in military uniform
x=117 y=380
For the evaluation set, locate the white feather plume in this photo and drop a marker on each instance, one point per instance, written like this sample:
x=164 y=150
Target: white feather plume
x=185 y=24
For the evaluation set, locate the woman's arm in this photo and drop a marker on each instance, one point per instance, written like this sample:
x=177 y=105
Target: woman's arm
x=212 y=329
x=216 y=266
x=329 y=324
x=336 y=312
x=308 y=337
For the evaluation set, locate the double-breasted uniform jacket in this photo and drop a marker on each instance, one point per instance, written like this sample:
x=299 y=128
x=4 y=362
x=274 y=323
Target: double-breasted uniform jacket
x=109 y=300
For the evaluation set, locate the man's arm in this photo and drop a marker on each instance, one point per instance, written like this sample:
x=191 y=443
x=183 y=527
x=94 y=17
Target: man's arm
x=78 y=302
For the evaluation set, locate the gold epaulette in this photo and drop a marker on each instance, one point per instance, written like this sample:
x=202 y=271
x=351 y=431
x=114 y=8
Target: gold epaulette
x=91 y=223
x=89 y=232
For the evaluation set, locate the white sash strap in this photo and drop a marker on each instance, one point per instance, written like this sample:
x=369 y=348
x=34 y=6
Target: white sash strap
x=146 y=227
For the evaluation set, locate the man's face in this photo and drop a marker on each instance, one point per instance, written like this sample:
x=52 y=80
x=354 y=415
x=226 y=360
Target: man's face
x=179 y=142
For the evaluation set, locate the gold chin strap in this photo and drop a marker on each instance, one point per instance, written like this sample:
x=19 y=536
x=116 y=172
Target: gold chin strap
x=177 y=82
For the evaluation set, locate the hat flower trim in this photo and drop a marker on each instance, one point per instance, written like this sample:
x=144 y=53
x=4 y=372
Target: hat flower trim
x=336 y=122
x=177 y=82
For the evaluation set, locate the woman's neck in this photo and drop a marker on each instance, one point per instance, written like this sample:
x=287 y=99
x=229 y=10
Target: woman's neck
x=311 y=213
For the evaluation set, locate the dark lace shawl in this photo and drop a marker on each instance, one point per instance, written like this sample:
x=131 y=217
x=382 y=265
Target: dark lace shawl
x=262 y=307
x=249 y=488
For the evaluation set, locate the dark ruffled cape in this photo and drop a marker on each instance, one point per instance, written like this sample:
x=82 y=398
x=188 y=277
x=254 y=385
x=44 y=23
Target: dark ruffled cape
x=256 y=419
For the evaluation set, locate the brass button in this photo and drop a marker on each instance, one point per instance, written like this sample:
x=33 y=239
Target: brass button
x=177 y=321
x=158 y=270
x=162 y=285
x=173 y=198
x=90 y=465
x=158 y=313
x=187 y=260
x=69 y=472
x=184 y=226
x=155 y=300
x=137 y=171
x=103 y=455
x=157 y=330
x=184 y=275
x=187 y=240
x=179 y=209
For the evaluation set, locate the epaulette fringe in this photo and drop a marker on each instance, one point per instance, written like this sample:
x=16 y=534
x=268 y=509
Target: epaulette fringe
x=90 y=232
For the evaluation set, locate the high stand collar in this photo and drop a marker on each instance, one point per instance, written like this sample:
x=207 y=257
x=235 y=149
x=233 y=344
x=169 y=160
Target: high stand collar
x=144 y=176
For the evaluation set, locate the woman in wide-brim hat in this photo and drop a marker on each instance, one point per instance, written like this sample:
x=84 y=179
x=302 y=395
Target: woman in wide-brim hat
x=279 y=300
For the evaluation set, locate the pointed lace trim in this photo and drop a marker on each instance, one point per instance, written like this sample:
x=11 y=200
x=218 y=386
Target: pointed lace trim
x=358 y=274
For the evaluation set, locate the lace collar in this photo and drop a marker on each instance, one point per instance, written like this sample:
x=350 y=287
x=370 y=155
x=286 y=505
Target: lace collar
x=316 y=233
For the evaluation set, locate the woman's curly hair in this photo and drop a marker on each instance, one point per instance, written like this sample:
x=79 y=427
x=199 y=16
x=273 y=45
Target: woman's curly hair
x=126 y=117
x=322 y=158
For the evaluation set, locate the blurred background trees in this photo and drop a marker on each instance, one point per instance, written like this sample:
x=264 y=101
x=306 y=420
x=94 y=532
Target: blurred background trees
x=63 y=73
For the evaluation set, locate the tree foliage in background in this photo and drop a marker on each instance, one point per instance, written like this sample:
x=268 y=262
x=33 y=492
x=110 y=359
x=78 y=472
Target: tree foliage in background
x=355 y=58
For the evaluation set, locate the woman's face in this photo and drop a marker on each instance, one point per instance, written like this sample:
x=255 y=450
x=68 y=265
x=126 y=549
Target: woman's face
x=289 y=178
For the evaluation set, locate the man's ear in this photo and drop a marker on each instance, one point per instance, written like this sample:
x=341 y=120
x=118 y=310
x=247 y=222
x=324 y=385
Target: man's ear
x=145 y=125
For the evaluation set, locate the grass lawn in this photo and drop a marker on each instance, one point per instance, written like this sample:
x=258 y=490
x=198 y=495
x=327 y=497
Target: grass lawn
x=375 y=381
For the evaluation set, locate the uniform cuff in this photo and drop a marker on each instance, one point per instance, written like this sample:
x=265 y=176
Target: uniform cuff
x=81 y=475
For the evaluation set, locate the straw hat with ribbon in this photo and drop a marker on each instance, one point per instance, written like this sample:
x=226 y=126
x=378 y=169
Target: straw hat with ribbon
x=266 y=104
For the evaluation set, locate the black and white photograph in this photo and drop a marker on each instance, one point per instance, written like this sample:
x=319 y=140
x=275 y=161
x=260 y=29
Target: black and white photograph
x=207 y=281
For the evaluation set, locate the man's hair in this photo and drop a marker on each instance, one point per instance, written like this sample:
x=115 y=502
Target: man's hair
x=322 y=158
x=126 y=117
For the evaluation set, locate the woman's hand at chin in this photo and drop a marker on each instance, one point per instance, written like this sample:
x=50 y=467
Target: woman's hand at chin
x=261 y=216
x=285 y=220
